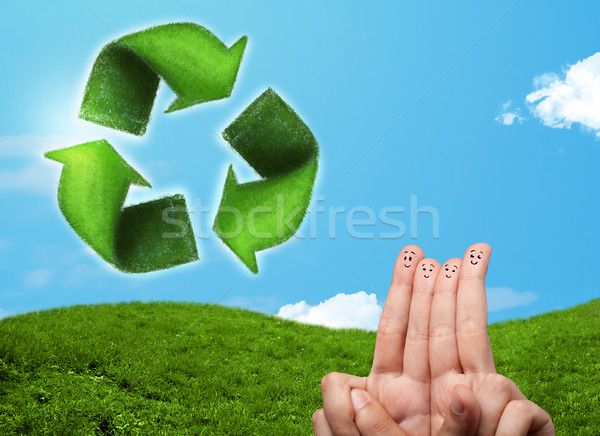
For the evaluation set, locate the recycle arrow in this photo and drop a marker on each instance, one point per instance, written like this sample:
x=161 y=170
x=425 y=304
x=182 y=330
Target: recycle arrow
x=140 y=238
x=122 y=86
x=274 y=141
x=120 y=93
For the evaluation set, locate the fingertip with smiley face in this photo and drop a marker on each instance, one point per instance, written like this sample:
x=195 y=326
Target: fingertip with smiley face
x=451 y=268
x=407 y=260
x=428 y=269
x=410 y=255
x=476 y=259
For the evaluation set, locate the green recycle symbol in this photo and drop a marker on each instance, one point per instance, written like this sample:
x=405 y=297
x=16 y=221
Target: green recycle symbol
x=120 y=93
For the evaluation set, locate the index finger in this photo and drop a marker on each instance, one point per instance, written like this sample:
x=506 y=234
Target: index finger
x=391 y=333
x=522 y=417
x=337 y=404
x=471 y=312
x=416 y=349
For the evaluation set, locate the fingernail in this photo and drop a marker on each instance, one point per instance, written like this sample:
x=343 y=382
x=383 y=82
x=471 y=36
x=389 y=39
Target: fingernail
x=456 y=405
x=359 y=399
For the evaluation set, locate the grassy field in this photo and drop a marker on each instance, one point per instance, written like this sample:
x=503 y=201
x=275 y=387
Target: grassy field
x=177 y=368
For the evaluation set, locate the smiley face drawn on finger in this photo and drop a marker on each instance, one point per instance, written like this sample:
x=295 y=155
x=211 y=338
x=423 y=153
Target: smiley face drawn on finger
x=408 y=257
x=475 y=257
x=450 y=269
x=427 y=270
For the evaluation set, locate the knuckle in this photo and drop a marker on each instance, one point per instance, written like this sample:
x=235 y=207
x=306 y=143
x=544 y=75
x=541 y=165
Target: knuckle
x=387 y=331
x=424 y=291
x=390 y=326
x=441 y=330
x=500 y=384
x=518 y=407
x=317 y=416
x=329 y=380
x=471 y=325
x=499 y=387
x=415 y=335
x=447 y=290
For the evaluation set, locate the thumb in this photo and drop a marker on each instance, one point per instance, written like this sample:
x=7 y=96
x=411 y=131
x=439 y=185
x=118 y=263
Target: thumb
x=462 y=418
x=371 y=418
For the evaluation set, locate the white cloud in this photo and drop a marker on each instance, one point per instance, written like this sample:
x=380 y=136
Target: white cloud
x=358 y=310
x=509 y=117
x=507 y=298
x=545 y=79
x=37 y=278
x=559 y=103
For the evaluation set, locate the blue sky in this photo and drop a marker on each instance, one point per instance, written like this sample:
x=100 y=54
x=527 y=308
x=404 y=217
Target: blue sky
x=447 y=86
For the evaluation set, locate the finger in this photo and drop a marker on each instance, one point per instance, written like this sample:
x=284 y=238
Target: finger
x=443 y=355
x=463 y=415
x=495 y=393
x=391 y=333
x=524 y=418
x=337 y=405
x=471 y=318
x=320 y=426
x=416 y=350
x=371 y=418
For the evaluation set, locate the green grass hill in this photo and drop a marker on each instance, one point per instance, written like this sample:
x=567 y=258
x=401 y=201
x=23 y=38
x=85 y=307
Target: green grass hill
x=179 y=368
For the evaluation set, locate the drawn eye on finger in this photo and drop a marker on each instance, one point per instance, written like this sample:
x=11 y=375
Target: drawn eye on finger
x=475 y=256
x=427 y=270
x=408 y=257
x=449 y=270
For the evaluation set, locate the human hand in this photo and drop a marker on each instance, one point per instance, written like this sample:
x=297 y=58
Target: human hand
x=431 y=378
x=398 y=387
x=460 y=353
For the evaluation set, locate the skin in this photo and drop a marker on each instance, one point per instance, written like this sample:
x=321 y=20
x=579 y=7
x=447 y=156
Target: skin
x=427 y=269
x=451 y=268
x=408 y=258
x=433 y=370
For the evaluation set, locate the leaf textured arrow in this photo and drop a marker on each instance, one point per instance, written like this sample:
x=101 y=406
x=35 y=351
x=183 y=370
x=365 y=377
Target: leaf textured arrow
x=274 y=141
x=122 y=86
x=140 y=238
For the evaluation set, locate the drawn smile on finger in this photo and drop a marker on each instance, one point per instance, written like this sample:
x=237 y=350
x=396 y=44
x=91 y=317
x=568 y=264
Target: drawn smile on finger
x=449 y=270
x=474 y=256
x=424 y=266
x=408 y=256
